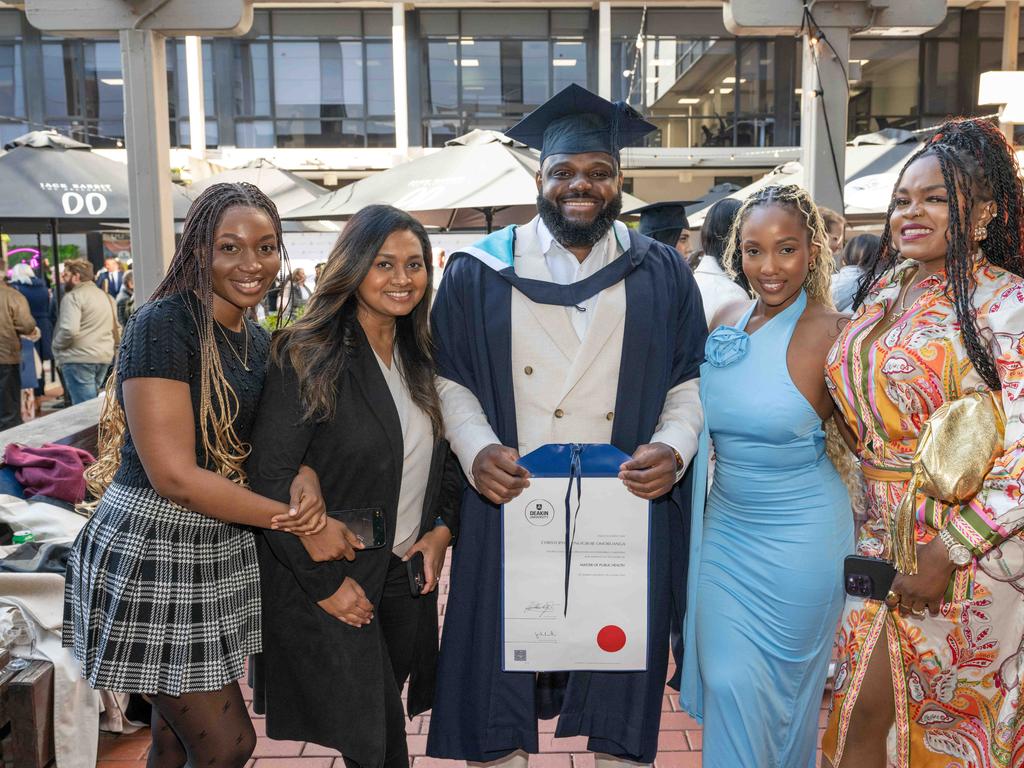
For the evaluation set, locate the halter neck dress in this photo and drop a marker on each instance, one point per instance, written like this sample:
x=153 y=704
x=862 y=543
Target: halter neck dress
x=766 y=573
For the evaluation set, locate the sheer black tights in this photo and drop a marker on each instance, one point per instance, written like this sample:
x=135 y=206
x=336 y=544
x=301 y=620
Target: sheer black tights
x=211 y=729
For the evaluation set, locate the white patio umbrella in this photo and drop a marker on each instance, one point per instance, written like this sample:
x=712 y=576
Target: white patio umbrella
x=483 y=179
x=873 y=163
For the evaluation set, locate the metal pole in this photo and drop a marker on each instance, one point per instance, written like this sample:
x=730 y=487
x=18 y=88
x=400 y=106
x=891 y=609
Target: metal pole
x=56 y=260
x=196 y=96
x=604 y=49
x=398 y=62
x=148 y=142
x=823 y=144
x=1011 y=35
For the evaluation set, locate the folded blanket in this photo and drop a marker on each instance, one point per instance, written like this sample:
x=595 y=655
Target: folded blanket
x=51 y=470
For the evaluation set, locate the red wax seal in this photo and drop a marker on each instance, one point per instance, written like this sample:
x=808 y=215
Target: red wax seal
x=611 y=638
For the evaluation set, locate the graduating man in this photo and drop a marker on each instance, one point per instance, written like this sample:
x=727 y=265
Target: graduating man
x=571 y=328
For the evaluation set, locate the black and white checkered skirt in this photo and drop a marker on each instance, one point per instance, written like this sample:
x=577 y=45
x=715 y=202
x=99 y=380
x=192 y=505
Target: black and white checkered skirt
x=160 y=599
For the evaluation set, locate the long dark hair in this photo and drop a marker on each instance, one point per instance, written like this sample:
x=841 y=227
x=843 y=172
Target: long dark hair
x=714 y=237
x=190 y=274
x=321 y=344
x=977 y=166
x=860 y=249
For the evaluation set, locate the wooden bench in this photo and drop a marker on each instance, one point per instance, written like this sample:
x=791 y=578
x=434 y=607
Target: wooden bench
x=26 y=708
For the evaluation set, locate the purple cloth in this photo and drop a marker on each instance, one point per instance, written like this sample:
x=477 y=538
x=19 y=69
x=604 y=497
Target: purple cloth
x=57 y=471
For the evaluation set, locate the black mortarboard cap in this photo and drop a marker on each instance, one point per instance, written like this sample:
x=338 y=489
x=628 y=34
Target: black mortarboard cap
x=575 y=120
x=662 y=221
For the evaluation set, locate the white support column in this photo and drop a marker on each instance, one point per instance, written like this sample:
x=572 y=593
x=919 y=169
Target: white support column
x=604 y=49
x=820 y=172
x=1011 y=35
x=196 y=99
x=147 y=140
x=401 y=78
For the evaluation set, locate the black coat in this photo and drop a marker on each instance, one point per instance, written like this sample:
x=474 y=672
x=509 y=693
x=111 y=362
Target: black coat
x=319 y=679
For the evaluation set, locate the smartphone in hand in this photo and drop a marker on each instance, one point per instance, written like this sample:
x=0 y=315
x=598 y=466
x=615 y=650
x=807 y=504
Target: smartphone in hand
x=868 y=577
x=417 y=575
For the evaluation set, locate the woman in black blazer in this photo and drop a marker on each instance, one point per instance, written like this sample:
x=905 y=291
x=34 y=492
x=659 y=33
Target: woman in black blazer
x=350 y=393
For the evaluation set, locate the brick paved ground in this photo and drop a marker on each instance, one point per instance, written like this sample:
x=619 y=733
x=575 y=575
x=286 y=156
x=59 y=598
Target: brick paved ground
x=679 y=745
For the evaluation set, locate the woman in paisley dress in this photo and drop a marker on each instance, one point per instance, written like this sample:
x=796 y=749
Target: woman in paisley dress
x=935 y=681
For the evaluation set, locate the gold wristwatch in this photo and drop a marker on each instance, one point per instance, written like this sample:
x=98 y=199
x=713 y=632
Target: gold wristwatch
x=959 y=555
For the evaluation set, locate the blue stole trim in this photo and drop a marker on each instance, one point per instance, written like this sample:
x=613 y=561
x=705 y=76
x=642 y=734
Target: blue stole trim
x=497 y=251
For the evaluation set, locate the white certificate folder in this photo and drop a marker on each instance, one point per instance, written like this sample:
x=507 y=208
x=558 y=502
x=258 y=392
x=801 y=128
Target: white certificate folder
x=582 y=606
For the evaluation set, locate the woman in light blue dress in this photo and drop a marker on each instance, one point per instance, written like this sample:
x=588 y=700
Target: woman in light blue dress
x=765 y=584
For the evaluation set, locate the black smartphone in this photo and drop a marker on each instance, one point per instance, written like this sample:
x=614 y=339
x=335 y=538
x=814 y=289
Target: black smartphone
x=367 y=524
x=868 y=577
x=417 y=576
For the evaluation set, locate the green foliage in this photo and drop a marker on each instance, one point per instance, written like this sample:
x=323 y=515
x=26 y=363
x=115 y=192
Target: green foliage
x=270 y=322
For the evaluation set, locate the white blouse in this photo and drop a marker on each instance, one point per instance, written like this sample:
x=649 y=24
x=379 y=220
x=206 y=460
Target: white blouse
x=418 y=448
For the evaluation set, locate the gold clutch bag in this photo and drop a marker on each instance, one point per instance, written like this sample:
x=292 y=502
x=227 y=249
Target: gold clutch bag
x=956 y=450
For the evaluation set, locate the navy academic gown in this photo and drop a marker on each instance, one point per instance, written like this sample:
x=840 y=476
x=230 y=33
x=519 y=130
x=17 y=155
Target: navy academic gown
x=480 y=712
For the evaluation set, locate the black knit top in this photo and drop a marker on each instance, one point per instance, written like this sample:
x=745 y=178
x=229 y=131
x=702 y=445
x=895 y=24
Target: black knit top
x=161 y=341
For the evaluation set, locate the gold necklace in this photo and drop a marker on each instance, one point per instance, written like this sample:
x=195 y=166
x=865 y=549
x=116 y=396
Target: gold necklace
x=245 y=329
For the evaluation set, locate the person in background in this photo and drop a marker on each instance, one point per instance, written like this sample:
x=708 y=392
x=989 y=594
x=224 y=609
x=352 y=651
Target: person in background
x=666 y=222
x=31 y=374
x=858 y=251
x=835 y=225
x=294 y=294
x=15 y=321
x=935 y=670
x=111 y=277
x=126 y=299
x=33 y=288
x=716 y=287
x=87 y=332
x=162 y=587
x=316 y=272
x=350 y=391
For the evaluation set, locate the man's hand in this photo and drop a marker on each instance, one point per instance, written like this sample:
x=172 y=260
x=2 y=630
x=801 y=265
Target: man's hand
x=496 y=474
x=432 y=544
x=651 y=472
x=334 y=542
x=349 y=604
x=925 y=590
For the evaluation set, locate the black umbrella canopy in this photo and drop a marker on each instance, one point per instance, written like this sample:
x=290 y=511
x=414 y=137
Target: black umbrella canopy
x=48 y=177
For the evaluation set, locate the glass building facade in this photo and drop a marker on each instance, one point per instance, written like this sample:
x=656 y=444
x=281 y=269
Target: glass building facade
x=323 y=78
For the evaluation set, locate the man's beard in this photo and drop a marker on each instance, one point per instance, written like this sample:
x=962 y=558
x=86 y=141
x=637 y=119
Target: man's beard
x=569 y=233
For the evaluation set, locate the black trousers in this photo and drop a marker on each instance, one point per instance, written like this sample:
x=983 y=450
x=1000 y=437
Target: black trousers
x=10 y=396
x=398 y=614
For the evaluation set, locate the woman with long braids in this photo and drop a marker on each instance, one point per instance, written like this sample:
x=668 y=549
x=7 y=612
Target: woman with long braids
x=936 y=674
x=766 y=556
x=350 y=391
x=162 y=594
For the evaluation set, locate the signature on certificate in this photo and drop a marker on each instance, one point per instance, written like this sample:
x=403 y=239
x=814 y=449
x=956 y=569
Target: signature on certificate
x=548 y=636
x=540 y=610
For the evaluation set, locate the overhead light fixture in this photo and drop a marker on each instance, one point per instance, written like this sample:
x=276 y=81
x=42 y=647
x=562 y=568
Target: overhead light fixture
x=712 y=92
x=467 y=41
x=469 y=62
x=725 y=91
x=653 y=79
x=112 y=80
x=563 y=62
x=732 y=80
x=688 y=100
x=862 y=62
